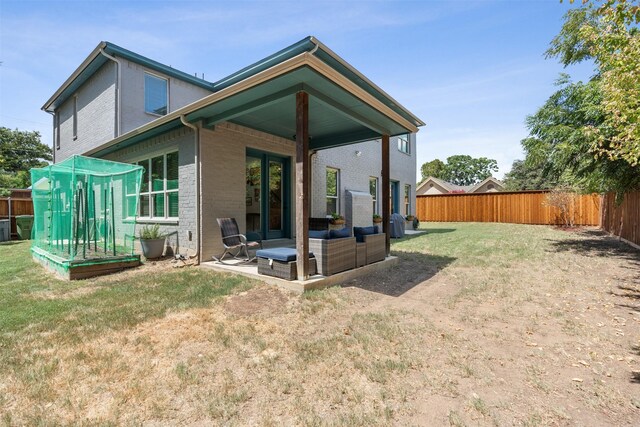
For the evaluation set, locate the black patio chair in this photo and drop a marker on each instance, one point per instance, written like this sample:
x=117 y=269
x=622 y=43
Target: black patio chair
x=232 y=240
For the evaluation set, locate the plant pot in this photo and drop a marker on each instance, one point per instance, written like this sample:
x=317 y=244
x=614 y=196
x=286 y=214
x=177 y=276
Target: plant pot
x=338 y=222
x=377 y=221
x=152 y=248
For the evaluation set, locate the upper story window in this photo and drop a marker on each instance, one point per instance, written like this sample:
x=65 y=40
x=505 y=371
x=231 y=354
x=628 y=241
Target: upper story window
x=403 y=144
x=75 y=117
x=333 y=184
x=57 y=129
x=373 y=190
x=155 y=95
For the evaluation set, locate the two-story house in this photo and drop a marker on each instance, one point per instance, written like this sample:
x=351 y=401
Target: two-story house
x=232 y=148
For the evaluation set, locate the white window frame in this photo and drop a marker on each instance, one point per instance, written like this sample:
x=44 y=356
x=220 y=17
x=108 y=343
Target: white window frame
x=337 y=196
x=144 y=100
x=407 y=199
x=164 y=191
x=57 y=129
x=404 y=144
x=374 y=196
x=75 y=117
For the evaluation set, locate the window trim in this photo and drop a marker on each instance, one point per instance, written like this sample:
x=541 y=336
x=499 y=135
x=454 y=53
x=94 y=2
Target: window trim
x=337 y=196
x=144 y=95
x=75 y=117
x=407 y=140
x=374 y=196
x=57 y=129
x=151 y=218
x=407 y=199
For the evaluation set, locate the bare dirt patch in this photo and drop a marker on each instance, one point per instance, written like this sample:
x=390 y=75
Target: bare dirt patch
x=491 y=326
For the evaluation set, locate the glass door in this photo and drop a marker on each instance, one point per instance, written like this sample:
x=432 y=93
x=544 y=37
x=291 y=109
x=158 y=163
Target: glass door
x=267 y=207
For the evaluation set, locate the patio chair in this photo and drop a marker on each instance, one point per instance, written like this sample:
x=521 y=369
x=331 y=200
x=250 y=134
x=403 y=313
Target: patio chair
x=232 y=240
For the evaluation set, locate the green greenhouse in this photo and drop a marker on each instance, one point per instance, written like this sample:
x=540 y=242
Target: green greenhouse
x=85 y=215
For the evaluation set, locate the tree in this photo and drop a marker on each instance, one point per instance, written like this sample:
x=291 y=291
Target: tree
x=19 y=152
x=524 y=176
x=560 y=141
x=608 y=35
x=434 y=168
x=466 y=170
x=460 y=169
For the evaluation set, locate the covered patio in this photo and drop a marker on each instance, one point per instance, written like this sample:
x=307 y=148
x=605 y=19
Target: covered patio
x=308 y=98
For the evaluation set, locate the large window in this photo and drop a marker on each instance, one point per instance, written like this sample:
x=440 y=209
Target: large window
x=155 y=95
x=407 y=199
x=333 y=183
x=159 y=191
x=403 y=144
x=373 y=190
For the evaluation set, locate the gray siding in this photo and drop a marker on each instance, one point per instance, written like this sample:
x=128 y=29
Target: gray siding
x=182 y=140
x=133 y=115
x=96 y=114
x=356 y=170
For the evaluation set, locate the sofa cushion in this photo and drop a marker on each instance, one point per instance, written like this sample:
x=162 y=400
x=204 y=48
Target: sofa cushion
x=318 y=234
x=364 y=231
x=279 y=254
x=338 y=234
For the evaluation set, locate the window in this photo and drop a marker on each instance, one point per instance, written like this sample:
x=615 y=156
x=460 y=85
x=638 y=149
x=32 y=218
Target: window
x=159 y=191
x=407 y=200
x=333 y=176
x=75 y=117
x=155 y=95
x=403 y=144
x=373 y=190
x=57 y=130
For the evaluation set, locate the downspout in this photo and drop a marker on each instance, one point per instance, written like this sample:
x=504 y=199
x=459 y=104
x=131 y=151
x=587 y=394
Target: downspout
x=196 y=130
x=116 y=127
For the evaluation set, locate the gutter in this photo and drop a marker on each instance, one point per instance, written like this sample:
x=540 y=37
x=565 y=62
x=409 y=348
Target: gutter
x=116 y=126
x=198 y=194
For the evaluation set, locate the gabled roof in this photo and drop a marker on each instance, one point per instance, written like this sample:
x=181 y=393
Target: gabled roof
x=95 y=60
x=495 y=181
x=444 y=184
x=344 y=106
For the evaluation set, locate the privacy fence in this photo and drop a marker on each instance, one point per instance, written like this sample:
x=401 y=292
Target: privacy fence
x=527 y=207
x=12 y=207
x=622 y=220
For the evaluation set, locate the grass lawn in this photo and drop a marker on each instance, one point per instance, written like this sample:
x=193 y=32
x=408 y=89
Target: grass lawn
x=479 y=324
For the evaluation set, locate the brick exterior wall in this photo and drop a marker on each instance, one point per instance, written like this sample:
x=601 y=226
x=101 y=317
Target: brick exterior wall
x=183 y=141
x=96 y=114
x=180 y=92
x=355 y=172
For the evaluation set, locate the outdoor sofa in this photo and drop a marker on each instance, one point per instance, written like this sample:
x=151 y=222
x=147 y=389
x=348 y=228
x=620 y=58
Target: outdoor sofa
x=335 y=250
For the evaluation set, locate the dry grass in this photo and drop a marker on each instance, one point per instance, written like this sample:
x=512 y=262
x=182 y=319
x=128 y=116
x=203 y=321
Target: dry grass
x=481 y=324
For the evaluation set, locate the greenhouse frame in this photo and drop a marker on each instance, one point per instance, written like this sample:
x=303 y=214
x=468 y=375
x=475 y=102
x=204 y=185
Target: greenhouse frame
x=85 y=215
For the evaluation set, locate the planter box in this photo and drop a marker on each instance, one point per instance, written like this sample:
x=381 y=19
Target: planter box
x=152 y=248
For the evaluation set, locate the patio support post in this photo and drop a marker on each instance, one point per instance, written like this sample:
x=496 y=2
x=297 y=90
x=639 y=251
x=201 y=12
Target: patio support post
x=386 y=207
x=302 y=184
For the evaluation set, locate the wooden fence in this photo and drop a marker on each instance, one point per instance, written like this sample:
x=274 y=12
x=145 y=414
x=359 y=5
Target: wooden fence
x=526 y=207
x=622 y=220
x=18 y=207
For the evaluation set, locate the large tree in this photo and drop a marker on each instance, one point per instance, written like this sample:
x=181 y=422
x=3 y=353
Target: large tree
x=560 y=141
x=526 y=176
x=19 y=152
x=460 y=169
x=608 y=34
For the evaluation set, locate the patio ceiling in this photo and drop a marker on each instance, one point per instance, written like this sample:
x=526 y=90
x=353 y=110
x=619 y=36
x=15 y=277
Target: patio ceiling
x=336 y=116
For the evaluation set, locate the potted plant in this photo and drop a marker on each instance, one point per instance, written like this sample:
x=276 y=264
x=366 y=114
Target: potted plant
x=416 y=223
x=377 y=219
x=337 y=219
x=152 y=241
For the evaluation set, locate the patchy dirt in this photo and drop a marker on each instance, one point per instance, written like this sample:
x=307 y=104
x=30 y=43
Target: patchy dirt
x=550 y=339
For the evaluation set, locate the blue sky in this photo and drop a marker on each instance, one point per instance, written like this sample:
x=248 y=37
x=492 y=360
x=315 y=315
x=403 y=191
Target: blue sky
x=472 y=70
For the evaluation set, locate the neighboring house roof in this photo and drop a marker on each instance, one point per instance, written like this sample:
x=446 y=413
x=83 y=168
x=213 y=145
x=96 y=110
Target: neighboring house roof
x=498 y=185
x=345 y=107
x=453 y=188
x=95 y=60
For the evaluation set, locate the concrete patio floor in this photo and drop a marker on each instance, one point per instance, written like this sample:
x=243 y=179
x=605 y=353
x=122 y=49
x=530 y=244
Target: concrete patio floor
x=315 y=282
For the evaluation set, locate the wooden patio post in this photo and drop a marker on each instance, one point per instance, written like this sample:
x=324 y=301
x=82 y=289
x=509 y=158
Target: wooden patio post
x=302 y=184
x=386 y=207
